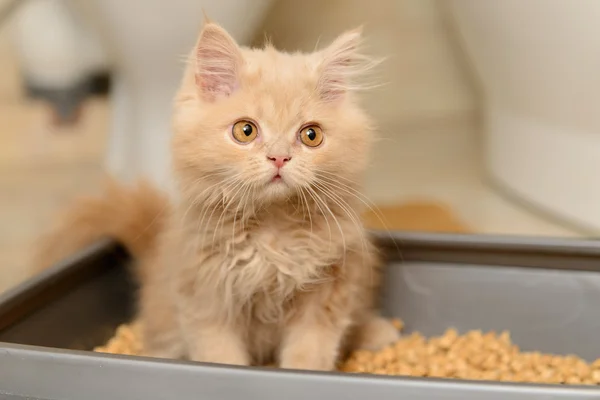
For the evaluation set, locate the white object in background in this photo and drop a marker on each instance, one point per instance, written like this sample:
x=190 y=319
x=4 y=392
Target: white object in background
x=149 y=40
x=55 y=51
x=538 y=64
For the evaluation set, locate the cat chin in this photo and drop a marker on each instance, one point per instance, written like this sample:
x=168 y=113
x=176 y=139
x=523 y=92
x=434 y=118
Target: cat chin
x=277 y=191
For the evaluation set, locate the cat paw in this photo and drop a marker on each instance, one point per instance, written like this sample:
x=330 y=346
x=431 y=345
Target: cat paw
x=377 y=333
x=307 y=361
x=224 y=357
x=219 y=353
x=169 y=350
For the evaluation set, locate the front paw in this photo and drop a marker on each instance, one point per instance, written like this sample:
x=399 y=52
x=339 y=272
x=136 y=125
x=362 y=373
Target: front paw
x=225 y=355
x=375 y=334
x=307 y=360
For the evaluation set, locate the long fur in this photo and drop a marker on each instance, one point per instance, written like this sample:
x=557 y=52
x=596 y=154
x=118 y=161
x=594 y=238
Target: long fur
x=242 y=269
x=132 y=215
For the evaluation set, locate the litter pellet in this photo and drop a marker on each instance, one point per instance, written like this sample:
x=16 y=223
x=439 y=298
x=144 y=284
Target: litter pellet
x=474 y=355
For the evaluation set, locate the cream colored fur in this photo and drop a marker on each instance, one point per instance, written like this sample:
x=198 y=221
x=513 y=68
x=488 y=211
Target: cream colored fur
x=242 y=269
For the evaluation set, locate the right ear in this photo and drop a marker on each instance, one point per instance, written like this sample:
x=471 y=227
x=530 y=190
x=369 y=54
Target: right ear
x=218 y=60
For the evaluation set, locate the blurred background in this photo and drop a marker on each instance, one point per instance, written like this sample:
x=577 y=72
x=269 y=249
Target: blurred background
x=487 y=111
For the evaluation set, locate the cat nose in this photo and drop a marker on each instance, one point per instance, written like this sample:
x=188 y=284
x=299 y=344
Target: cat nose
x=279 y=160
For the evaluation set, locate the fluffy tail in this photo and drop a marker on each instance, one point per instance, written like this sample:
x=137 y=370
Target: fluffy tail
x=134 y=216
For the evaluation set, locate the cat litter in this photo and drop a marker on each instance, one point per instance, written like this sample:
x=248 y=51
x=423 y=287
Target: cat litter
x=473 y=356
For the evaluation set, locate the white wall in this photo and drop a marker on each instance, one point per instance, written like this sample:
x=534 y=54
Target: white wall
x=424 y=75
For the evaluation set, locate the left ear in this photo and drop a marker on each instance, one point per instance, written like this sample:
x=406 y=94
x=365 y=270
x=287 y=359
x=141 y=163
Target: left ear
x=218 y=60
x=340 y=65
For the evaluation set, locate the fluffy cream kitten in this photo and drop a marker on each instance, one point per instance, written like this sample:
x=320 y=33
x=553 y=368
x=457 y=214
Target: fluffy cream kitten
x=262 y=257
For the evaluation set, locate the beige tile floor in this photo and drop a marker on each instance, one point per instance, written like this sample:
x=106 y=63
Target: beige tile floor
x=42 y=167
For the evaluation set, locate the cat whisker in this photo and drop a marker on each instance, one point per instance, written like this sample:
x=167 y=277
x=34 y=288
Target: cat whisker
x=198 y=197
x=317 y=203
x=308 y=211
x=345 y=207
x=242 y=188
x=323 y=174
x=250 y=195
x=337 y=199
x=334 y=180
x=210 y=205
x=245 y=188
x=318 y=199
x=355 y=220
x=220 y=222
x=214 y=203
x=207 y=202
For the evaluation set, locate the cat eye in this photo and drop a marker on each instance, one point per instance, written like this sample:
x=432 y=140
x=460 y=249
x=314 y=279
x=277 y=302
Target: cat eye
x=311 y=135
x=244 y=131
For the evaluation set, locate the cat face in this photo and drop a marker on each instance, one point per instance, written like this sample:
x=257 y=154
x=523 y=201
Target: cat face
x=263 y=126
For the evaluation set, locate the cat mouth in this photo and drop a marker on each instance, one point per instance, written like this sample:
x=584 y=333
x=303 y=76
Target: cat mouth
x=276 y=178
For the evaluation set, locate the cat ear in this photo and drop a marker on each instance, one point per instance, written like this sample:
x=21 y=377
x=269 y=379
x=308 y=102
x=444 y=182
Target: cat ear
x=218 y=59
x=341 y=65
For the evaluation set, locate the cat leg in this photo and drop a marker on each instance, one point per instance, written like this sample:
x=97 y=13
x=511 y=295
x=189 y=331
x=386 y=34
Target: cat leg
x=374 y=333
x=313 y=337
x=311 y=345
x=216 y=342
x=163 y=344
x=161 y=336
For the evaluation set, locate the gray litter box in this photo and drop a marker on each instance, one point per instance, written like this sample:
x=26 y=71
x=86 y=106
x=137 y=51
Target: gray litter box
x=546 y=292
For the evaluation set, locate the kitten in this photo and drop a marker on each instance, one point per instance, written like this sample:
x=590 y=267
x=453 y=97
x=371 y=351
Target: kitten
x=262 y=257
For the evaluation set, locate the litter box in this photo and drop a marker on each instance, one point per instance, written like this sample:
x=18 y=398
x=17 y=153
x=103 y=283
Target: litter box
x=546 y=292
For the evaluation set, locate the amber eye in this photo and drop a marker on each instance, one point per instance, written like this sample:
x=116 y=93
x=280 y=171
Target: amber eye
x=244 y=131
x=311 y=135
